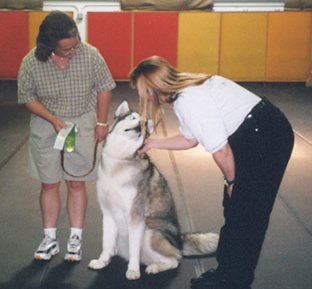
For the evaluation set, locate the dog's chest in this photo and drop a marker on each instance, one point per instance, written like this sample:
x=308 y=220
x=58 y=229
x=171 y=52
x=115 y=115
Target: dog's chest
x=117 y=185
x=119 y=173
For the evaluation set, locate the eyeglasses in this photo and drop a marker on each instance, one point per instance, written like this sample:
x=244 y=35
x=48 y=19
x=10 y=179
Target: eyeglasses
x=66 y=52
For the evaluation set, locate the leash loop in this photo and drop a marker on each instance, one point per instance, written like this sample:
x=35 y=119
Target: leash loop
x=81 y=176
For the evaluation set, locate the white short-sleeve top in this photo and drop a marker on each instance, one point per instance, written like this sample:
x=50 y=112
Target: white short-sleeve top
x=212 y=111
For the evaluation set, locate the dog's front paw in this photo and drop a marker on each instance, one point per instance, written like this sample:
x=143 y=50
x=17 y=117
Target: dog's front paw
x=133 y=274
x=97 y=264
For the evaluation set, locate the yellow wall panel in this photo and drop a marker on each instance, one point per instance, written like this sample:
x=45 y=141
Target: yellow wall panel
x=309 y=77
x=288 y=46
x=35 y=18
x=243 y=46
x=198 y=42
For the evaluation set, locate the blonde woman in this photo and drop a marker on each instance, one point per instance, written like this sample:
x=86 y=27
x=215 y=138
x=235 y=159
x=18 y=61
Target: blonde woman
x=251 y=142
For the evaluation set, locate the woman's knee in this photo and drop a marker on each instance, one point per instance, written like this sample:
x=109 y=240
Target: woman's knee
x=75 y=185
x=50 y=187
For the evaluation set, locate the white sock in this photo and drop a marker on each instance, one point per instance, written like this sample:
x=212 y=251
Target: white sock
x=75 y=232
x=51 y=232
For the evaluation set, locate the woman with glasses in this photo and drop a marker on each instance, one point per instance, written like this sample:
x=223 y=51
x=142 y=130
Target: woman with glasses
x=63 y=80
x=250 y=140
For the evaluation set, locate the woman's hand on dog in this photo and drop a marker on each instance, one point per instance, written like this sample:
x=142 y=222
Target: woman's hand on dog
x=146 y=146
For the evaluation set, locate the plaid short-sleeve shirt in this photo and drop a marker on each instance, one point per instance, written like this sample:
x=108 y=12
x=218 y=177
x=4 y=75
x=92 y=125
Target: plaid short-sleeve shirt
x=67 y=93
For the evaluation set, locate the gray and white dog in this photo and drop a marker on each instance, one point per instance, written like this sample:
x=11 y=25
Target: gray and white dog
x=140 y=221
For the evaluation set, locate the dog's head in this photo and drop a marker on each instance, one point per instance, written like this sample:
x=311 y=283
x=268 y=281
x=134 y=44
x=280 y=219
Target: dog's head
x=125 y=136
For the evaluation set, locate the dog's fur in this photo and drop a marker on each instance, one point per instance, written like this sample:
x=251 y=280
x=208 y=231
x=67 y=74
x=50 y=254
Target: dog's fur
x=139 y=216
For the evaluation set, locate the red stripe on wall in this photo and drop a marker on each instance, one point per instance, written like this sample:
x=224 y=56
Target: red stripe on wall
x=110 y=32
x=155 y=33
x=13 y=43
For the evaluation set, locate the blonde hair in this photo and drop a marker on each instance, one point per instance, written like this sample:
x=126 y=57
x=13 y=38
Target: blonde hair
x=156 y=77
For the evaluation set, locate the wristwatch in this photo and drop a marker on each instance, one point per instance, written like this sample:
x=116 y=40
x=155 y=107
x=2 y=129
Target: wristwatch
x=228 y=183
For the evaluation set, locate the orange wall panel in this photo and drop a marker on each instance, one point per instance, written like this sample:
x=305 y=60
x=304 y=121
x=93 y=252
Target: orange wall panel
x=198 y=44
x=110 y=32
x=34 y=20
x=13 y=43
x=288 y=50
x=155 y=33
x=243 y=46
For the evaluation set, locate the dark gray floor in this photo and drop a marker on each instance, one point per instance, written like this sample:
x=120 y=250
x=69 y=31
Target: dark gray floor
x=285 y=262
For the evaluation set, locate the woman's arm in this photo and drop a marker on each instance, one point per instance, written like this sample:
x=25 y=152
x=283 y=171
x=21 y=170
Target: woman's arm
x=103 y=102
x=224 y=158
x=37 y=108
x=177 y=142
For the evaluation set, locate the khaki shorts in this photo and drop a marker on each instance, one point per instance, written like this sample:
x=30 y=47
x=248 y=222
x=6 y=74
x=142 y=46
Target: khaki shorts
x=44 y=162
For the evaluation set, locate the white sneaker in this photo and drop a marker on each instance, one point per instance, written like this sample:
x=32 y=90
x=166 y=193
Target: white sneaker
x=48 y=248
x=73 y=249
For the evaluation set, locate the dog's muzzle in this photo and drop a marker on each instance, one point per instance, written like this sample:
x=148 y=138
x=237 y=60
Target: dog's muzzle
x=137 y=129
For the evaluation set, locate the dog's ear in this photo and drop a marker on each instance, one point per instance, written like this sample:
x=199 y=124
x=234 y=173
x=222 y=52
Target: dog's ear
x=123 y=108
x=149 y=127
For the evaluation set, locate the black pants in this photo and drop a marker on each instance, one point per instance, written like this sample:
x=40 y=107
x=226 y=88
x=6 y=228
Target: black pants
x=262 y=146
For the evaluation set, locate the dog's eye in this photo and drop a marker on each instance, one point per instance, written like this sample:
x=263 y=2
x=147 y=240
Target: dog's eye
x=131 y=117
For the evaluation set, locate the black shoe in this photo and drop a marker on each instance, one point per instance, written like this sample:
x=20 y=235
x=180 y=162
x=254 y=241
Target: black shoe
x=208 y=280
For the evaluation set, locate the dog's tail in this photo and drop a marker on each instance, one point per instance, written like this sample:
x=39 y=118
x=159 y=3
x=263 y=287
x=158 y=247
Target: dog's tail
x=199 y=244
